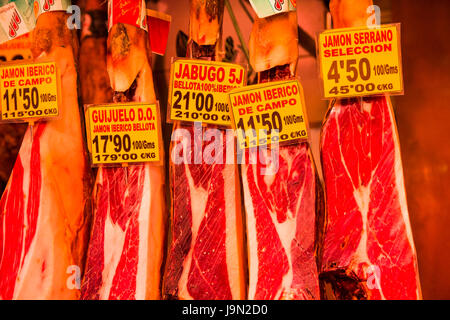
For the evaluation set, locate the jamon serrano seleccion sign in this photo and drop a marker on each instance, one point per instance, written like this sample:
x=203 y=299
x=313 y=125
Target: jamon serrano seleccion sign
x=360 y=61
x=269 y=113
x=123 y=133
x=198 y=90
x=29 y=91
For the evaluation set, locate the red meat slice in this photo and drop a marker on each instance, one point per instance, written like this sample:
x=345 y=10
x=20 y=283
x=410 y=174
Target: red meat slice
x=281 y=216
x=205 y=258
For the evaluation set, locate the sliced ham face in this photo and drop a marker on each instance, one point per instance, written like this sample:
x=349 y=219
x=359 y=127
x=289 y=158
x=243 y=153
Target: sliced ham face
x=128 y=235
x=282 y=193
x=43 y=222
x=125 y=250
x=205 y=261
x=368 y=248
x=281 y=215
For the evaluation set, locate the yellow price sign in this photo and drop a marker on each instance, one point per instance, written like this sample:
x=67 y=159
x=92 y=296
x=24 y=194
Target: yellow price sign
x=361 y=61
x=29 y=91
x=123 y=133
x=198 y=90
x=269 y=113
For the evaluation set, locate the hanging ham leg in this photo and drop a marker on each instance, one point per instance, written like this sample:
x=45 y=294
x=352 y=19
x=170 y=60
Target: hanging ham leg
x=43 y=229
x=368 y=249
x=280 y=207
x=127 y=241
x=206 y=254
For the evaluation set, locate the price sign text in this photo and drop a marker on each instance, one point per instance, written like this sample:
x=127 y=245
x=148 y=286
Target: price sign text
x=199 y=90
x=360 y=61
x=268 y=113
x=29 y=91
x=123 y=133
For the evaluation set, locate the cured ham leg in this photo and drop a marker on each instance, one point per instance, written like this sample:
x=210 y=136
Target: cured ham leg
x=43 y=229
x=281 y=206
x=206 y=259
x=127 y=241
x=368 y=248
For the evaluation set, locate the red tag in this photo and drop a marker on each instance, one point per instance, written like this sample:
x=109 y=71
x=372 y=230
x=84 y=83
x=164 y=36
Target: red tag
x=131 y=12
x=158 y=30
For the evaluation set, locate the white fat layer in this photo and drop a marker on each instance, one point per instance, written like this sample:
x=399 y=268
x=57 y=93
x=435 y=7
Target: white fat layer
x=367 y=107
x=44 y=267
x=287 y=230
x=251 y=235
x=113 y=245
x=26 y=162
x=231 y=234
x=34 y=258
x=30 y=262
x=144 y=236
x=362 y=198
x=199 y=197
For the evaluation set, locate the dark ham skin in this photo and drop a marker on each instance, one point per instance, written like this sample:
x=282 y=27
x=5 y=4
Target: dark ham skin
x=367 y=245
